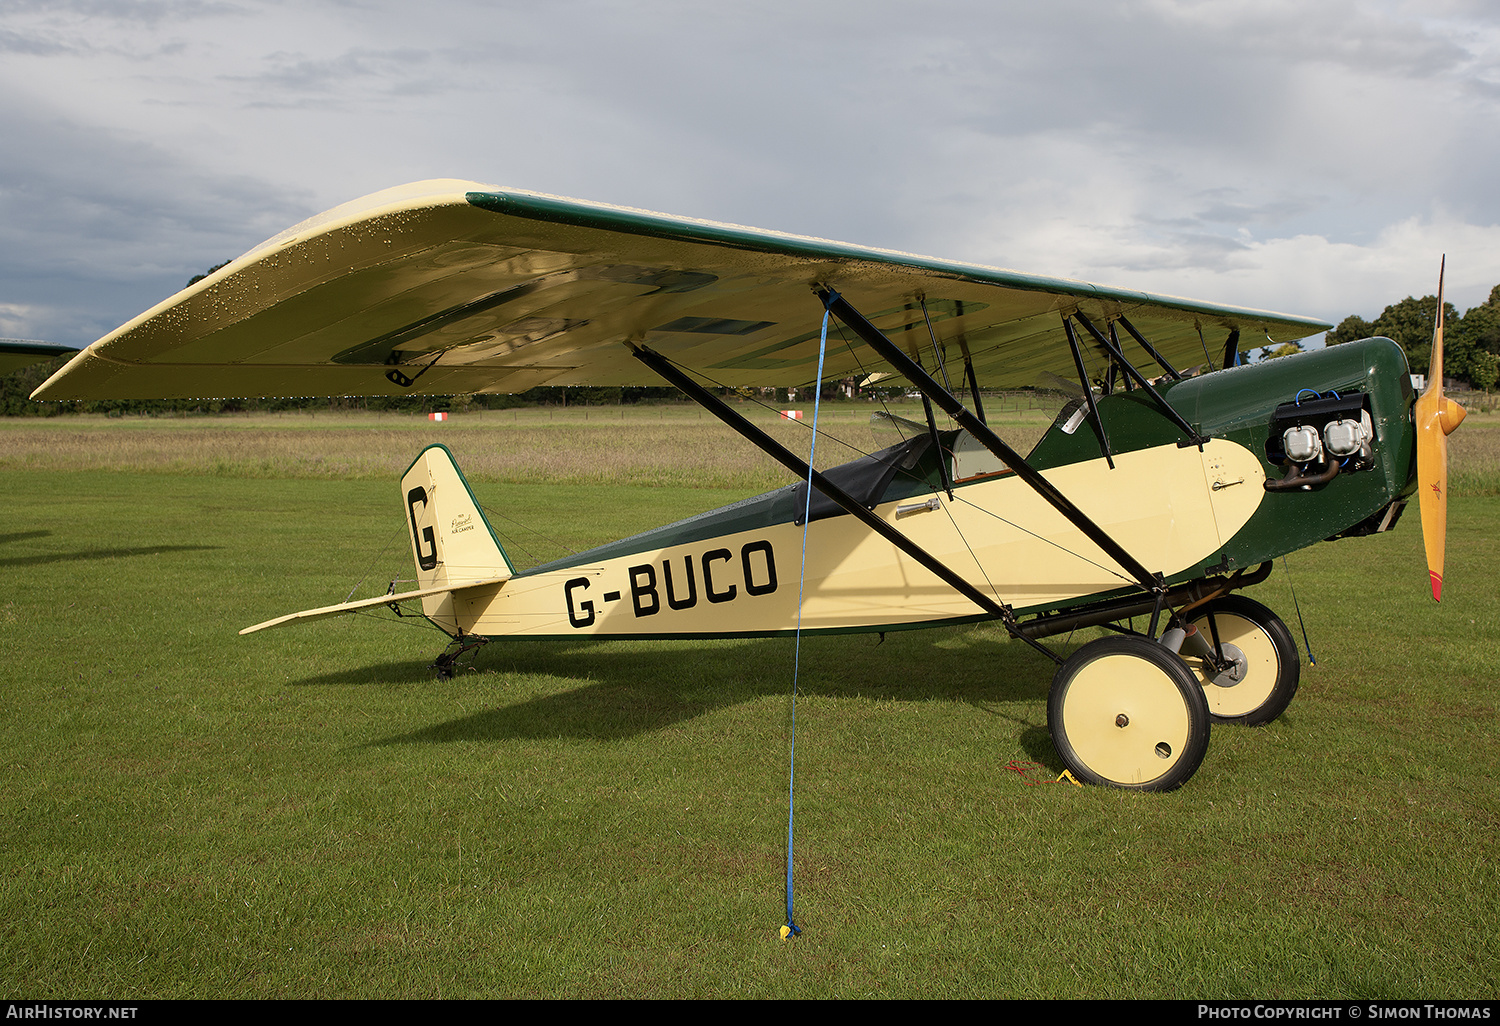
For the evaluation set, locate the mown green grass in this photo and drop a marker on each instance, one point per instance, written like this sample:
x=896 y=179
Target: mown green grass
x=308 y=813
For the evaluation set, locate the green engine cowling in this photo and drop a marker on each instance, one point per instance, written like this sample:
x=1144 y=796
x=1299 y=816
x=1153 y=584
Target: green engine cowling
x=1254 y=405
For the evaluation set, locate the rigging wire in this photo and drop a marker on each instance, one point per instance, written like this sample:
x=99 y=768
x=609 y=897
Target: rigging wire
x=1042 y=538
x=513 y=543
x=383 y=555
x=1298 y=607
x=900 y=470
x=1207 y=360
x=958 y=498
x=405 y=620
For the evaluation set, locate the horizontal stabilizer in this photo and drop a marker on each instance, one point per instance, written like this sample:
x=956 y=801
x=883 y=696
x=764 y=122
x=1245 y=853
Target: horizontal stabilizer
x=383 y=600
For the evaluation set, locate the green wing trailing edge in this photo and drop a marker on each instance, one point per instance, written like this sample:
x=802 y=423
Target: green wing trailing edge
x=16 y=353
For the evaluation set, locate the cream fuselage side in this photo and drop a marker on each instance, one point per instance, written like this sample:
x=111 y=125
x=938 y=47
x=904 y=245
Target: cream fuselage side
x=996 y=532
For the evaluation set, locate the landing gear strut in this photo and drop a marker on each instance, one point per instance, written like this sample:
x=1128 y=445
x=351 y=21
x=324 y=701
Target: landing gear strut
x=1261 y=667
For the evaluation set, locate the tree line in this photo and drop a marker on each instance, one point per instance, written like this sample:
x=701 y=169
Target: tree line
x=16 y=389
x=1471 y=343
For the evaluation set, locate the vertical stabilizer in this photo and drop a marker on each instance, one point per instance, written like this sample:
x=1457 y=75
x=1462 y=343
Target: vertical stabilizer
x=451 y=540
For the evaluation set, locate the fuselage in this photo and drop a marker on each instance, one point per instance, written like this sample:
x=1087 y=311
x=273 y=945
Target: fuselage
x=1182 y=509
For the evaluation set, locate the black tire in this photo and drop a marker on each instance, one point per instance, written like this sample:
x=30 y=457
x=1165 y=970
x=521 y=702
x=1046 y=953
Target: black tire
x=1268 y=669
x=1126 y=712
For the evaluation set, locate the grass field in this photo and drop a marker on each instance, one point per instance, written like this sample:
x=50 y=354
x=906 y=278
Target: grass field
x=308 y=813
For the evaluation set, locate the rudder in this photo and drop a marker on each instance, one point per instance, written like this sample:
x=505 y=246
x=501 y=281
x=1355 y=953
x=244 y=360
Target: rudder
x=452 y=542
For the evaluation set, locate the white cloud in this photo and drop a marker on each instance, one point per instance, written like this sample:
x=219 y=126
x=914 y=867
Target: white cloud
x=14 y=319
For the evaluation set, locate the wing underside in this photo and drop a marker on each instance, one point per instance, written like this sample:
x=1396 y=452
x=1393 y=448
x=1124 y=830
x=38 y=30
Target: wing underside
x=450 y=287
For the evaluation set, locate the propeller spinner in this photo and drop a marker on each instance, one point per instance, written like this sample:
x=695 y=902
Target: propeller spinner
x=1435 y=418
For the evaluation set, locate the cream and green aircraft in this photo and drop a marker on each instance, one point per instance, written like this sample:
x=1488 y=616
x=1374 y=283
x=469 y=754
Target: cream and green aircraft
x=1154 y=496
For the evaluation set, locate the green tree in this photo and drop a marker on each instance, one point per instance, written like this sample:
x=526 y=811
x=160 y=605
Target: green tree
x=17 y=386
x=1350 y=329
x=1285 y=349
x=1410 y=323
x=1465 y=339
x=1480 y=326
x=195 y=279
x=1484 y=369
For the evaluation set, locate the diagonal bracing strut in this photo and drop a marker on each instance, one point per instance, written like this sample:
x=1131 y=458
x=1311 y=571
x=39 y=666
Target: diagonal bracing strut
x=710 y=402
x=893 y=355
x=1112 y=345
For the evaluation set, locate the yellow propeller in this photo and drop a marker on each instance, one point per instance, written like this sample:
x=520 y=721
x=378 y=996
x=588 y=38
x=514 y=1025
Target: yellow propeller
x=1435 y=417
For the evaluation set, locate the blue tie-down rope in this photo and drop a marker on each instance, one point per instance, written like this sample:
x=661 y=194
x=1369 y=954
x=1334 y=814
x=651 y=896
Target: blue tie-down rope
x=791 y=929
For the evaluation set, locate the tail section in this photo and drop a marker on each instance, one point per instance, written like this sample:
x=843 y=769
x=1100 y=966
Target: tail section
x=460 y=565
x=451 y=540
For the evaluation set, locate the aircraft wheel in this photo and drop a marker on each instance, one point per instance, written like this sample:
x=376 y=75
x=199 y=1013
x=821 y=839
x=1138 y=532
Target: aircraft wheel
x=1126 y=712
x=1263 y=679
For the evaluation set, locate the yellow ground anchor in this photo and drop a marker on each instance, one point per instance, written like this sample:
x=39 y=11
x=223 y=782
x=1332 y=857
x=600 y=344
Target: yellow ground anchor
x=1068 y=776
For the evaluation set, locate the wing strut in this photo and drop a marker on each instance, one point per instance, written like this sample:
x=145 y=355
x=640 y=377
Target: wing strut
x=710 y=402
x=932 y=431
x=955 y=409
x=1111 y=374
x=963 y=345
x=1088 y=391
x=973 y=384
x=1150 y=349
x=1232 y=349
x=937 y=356
x=1112 y=344
x=937 y=445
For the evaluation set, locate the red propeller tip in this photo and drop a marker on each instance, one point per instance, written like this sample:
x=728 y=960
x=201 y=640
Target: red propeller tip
x=1437 y=586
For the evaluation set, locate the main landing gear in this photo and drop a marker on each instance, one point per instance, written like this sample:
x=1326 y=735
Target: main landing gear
x=1263 y=677
x=1131 y=712
x=1126 y=712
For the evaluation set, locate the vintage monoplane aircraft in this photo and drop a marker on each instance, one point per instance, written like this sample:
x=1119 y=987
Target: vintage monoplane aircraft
x=1154 y=495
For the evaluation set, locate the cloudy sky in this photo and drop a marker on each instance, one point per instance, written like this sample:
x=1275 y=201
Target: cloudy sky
x=1310 y=156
